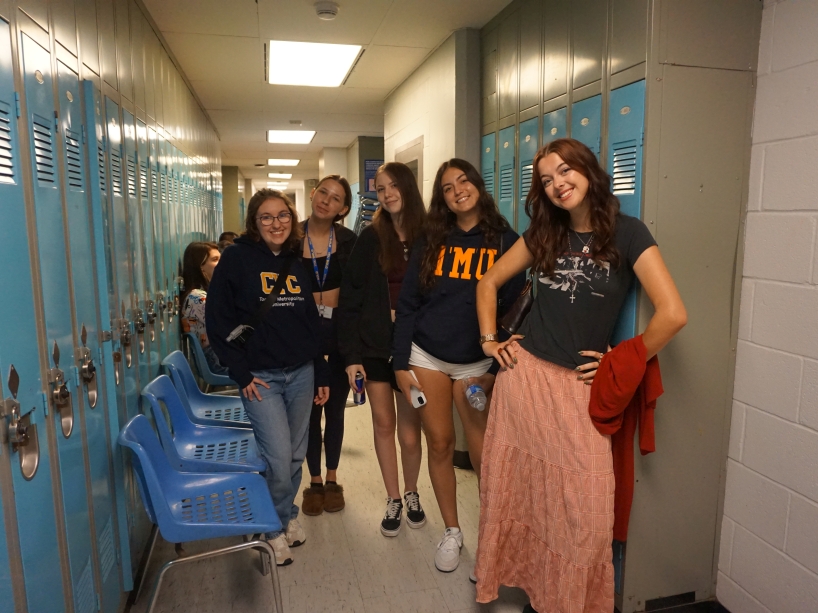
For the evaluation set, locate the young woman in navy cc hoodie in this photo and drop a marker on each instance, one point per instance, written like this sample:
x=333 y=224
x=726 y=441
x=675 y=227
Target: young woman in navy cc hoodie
x=281 y=369
x=436 y=346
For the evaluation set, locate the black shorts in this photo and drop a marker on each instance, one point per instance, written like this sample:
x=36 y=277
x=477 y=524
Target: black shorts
x=379 y=369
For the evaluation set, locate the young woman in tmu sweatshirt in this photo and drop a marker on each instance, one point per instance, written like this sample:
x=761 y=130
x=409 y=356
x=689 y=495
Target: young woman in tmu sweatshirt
x=436 y=328
x=281 y=369
x=369 y=297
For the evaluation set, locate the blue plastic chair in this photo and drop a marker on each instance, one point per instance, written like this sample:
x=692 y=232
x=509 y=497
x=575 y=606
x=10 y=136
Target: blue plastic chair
x=210 y=378
x=205 y=409
x=193 y=506
x=196 y=448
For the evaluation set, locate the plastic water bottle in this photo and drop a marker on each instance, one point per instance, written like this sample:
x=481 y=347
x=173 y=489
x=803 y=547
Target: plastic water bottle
x=475 y=395
x=359 y=393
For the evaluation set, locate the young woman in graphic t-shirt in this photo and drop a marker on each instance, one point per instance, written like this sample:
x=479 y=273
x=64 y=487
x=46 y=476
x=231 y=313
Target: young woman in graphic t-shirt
x=546 y=521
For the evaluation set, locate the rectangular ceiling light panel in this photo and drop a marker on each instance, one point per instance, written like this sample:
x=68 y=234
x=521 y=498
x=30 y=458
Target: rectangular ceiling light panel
x=280 y=162
x=290 y=137
x=279 y=175
x=310 y=64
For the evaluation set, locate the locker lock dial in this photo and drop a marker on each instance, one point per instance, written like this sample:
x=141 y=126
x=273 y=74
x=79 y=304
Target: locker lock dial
x=60 y=393
x=88 y=371
x=149 y=311
x=16 y=432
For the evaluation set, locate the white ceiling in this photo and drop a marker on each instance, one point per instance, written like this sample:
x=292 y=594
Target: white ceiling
x=220 y=46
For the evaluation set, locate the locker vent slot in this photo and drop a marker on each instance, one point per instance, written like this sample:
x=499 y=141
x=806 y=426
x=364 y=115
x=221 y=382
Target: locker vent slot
x=624 y=168
x=116 y=173
x=143 y=180
x=154 y=187
x=488 y=179
x=107 y=554
x=506 y=183
x=103 y=173
x=86 y=601
x=44 y=151
x=131 y=167
x=73 y=160
x=526 y=173
x=6 y=149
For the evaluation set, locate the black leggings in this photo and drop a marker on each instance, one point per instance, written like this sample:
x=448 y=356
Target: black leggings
x=333 y=435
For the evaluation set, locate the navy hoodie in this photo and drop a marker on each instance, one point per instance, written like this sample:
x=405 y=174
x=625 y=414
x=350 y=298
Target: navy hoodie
x=443 y=320
x=288 y=335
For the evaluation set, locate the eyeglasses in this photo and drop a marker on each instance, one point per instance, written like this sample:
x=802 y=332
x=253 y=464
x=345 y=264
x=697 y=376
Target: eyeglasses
x=267 y=220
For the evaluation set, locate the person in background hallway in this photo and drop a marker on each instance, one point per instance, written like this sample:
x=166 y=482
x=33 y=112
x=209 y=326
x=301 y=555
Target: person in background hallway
x=369 y=296
x=227 y=236
x=547 y=493
x=198 y=263
x=325 y=250
x=436 y=329
x=281 y=369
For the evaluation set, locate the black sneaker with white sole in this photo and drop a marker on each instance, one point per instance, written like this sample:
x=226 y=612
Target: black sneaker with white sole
x=390 y=525
x=415 y=516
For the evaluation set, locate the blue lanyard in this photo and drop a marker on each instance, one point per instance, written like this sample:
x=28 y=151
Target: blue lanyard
x=315 y=262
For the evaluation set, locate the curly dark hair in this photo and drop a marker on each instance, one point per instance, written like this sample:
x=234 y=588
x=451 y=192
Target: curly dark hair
x=259 y=198
x=547 y=235
x=412 y=216
x=440 y=220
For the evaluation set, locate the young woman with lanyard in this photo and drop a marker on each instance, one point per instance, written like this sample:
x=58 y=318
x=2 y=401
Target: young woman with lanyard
x=280 y=368
x=369 y=297
x=436 y=330
x=325 y=250
x=547 y=495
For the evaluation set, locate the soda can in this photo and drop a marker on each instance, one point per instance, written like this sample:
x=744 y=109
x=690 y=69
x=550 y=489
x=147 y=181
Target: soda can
x=359 y=393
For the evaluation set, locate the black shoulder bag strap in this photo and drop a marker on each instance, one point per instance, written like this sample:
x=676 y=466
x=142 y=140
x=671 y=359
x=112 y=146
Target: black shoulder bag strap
x=241 y=334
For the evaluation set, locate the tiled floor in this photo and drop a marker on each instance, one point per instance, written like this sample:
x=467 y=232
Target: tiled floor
x=345 y=564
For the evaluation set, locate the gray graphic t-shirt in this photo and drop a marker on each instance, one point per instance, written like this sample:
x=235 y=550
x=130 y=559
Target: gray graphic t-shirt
x=576 y=307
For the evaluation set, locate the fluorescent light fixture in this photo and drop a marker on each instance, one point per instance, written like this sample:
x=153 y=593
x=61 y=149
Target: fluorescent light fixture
x=279 y=175
x=290 y=137
x=280 y=162
x=276 y=185
x=310 y=64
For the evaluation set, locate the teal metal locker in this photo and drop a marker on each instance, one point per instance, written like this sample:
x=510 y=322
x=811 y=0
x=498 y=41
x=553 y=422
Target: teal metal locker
x=113 y=403
x=21 y=388
x=488 y=162
x=506 y=170
x=626 y=129
x=554 y=125
x=62 y=385
x=527 y=144
x=89 y=377
x=586 y=122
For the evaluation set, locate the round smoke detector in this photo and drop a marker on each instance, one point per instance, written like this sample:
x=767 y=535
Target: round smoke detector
x=326 y=10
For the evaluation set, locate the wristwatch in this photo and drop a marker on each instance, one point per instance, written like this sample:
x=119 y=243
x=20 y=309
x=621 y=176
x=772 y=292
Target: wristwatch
x=489 y=338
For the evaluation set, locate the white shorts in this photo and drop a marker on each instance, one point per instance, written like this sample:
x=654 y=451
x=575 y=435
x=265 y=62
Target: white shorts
x=422 y=359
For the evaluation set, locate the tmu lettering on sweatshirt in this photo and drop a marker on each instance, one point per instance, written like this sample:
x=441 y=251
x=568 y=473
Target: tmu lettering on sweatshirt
x=292 y=287
x=460 y=266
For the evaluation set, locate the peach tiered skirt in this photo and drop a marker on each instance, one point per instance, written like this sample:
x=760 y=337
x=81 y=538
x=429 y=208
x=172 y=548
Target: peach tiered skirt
x=546 y=494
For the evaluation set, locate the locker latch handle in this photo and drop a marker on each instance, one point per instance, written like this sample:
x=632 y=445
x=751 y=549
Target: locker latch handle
x=88 y=371
x=16 y=432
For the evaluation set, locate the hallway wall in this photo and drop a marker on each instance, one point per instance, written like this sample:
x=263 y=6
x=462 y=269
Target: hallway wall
x=769 y=542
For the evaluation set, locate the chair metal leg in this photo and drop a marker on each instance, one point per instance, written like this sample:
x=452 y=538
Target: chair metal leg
x=144 y=571
x=254 y=544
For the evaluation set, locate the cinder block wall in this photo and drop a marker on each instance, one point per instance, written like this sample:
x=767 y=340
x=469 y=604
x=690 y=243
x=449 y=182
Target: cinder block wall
x=769 y=542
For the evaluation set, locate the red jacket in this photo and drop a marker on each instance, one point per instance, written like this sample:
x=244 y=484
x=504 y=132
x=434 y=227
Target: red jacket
x=624 y=391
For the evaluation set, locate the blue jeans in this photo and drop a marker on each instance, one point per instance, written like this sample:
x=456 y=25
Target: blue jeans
x=280 y=424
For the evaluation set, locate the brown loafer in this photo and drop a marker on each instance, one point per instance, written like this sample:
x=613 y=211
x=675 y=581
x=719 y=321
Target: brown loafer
x=333 y=497
x=313 y=503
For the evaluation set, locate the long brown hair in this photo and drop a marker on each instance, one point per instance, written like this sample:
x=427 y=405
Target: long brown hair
x=195 y=256
x=412 y=216
x=259 y=198
x=440 y=221
x=548 y=232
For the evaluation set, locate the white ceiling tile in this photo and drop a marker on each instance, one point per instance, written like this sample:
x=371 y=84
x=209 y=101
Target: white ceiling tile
x=222 y=95
x=360 y=100
x=206 y=57
x=290 y=102
x=233 y=18
x=386 y=67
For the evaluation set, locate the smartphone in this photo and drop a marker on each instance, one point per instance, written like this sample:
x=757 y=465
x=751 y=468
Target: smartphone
x=418 y=397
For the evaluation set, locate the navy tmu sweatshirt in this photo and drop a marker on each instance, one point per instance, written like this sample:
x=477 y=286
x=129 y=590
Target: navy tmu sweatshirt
x=443 y=320
x=288 y=335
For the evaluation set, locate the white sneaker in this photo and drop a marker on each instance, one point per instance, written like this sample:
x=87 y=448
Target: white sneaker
x=447 y=557
x=282 y=550
x=473 y=577
x=295 y=533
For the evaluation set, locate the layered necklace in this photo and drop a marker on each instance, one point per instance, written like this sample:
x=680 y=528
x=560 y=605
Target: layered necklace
x=586 y=247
